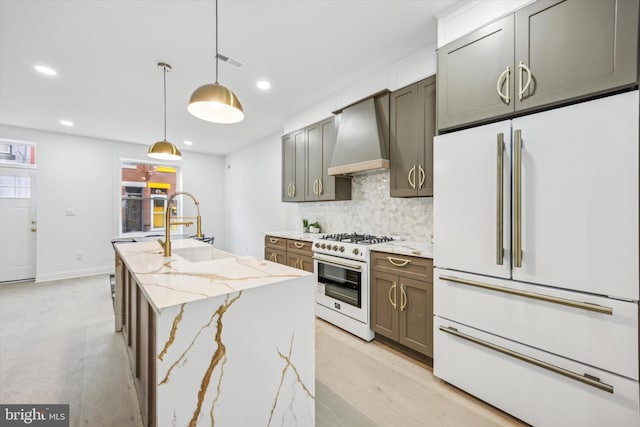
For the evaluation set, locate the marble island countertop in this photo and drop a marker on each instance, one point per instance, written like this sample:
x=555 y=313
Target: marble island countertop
x=196 y=271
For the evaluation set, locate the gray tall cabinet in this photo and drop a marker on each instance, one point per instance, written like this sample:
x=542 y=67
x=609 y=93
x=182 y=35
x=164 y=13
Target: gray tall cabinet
x=293 y=166
x=547 y=53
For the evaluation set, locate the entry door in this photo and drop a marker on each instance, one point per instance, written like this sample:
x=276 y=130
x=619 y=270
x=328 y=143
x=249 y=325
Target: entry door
x=17 y=224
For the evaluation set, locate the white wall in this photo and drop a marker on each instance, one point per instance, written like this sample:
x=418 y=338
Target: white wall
x=252 y=197
x=83 y=173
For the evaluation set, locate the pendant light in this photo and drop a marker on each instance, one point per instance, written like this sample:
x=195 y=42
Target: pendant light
x=214 y=102
x=164 y=150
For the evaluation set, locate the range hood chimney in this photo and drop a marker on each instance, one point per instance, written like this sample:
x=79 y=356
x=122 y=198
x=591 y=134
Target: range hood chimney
x=362 y=142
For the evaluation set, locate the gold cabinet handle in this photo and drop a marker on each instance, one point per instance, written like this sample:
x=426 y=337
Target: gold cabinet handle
x=271 y=257
x=320 y=187
x=293 y=190
x=395 y=298
x=499 y=200
x=33 y=229
x=421 y=176
x=506 y=75
x=412 y=173
x=531 y=295
x=298 y=245
x=398 y=262
x=403 y=297
x=586 y=379
x=295 y=265
x=289 y=190
x=522 y=89
x=315 y=187
x=272 y=240
x=517 y=198
x=301 y=267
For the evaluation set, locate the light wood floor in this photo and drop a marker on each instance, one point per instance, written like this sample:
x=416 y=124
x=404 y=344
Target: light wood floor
x=57 y=345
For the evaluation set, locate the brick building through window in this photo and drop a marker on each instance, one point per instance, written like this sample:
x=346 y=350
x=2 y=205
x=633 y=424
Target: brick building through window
x=144 y=191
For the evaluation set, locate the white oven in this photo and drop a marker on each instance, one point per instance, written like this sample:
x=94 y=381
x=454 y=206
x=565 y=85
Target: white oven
x=343 y=286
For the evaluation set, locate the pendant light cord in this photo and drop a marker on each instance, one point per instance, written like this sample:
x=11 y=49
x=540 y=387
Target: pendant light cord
x=164 y=74
x=217 y=41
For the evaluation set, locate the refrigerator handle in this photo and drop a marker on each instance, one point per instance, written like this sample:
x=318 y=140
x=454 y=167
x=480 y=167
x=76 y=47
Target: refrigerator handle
x=517 y=198
x=500 y=200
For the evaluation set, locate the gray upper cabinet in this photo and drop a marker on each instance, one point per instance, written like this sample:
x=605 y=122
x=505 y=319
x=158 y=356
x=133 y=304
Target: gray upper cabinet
x=568 y=49
x=413 y=116
x=293 y=166
x=548 y=53
x=471 y=70
x=312 y=148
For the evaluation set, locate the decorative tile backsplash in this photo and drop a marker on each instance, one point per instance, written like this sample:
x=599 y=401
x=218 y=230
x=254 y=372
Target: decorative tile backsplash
x=372 y=210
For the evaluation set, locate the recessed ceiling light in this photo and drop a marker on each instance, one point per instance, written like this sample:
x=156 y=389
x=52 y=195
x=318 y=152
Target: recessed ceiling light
x=67 y=123
x=188 y=143
x=263 y=85
x=47 y=71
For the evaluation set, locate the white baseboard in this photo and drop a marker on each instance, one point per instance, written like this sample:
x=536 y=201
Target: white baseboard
x=72 y=274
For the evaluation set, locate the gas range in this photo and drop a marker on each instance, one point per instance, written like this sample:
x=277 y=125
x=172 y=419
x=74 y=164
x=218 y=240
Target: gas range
x=348 y=245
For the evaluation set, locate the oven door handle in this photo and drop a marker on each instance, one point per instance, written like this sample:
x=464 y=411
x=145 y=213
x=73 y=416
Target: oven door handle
x=342 y=264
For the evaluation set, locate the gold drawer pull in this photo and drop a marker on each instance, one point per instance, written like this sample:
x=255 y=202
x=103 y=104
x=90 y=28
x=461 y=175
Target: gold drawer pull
x=272 y=240
x=532 y=295
x=398 y=262
x=298 y=245
x=586 y=379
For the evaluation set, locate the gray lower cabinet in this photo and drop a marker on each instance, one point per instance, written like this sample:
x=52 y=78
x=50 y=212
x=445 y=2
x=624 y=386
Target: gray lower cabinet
x=548 y=53
x=412 y=122
x=402 y=300
x=306 y=155
x=293 y=166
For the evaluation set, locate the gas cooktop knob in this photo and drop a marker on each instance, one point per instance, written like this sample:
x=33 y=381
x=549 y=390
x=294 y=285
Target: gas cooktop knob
x=341 y=248
x=356 y=251
x=335 y=247
x=323 y=246
x=317 y=245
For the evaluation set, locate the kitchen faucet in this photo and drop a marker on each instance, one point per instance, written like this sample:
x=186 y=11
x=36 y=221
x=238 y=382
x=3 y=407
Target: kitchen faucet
x=166 y=245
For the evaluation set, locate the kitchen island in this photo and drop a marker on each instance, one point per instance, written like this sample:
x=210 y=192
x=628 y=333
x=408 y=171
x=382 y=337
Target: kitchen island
x=216 y=338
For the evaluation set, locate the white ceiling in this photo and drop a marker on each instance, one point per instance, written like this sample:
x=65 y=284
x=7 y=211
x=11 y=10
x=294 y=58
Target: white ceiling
x=106 y=51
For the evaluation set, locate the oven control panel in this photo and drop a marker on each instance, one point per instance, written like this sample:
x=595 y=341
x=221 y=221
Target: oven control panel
x=344 y=250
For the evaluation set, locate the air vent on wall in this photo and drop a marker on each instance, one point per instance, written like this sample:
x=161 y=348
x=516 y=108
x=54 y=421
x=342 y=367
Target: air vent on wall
x=228 y=60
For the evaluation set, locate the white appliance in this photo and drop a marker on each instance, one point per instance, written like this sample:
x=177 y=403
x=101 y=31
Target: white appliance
x=341 y=263
x=536 y=284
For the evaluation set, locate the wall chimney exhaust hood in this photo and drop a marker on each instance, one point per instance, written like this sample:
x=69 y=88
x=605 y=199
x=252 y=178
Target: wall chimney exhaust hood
x=362 y=141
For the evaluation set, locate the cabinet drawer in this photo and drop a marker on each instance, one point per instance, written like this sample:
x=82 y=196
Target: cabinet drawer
x=299 y=246
x=421 y=268
x=275 y=242
x=557 y=321
x=554 y=393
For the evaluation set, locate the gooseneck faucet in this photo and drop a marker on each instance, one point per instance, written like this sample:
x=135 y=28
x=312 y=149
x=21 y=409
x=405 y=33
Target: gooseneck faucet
x=166 y=245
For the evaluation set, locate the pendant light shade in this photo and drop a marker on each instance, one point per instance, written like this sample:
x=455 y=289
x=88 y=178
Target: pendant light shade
x=215 y=102
x=164 y=150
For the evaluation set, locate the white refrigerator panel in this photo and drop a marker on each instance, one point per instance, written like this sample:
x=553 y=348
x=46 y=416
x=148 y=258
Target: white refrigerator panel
x=467 y=221
x=540 y=388
x=590 y=329
x=580 y=197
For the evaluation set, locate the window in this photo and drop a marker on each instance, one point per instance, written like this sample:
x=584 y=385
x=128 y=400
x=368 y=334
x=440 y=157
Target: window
x=15 y=187
x=16 y=153
x=144 y=190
